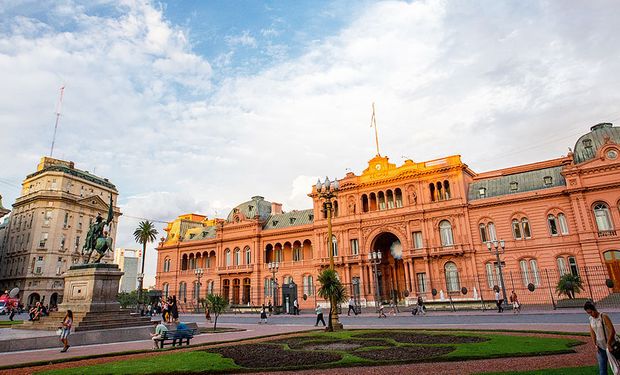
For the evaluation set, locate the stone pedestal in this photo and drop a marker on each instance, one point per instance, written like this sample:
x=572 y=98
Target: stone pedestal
x=91 y=288
x=90 y=293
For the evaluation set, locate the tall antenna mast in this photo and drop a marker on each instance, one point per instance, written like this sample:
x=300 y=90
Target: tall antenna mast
x=58 y=109
x=373 y=123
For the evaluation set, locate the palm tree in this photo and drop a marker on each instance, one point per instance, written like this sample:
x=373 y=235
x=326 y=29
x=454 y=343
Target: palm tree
x=331 y=289
x=144 y=233
x=217 y=305
x=569 y=285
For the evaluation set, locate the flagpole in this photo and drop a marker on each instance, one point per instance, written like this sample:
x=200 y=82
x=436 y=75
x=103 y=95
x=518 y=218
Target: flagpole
x=373 y=122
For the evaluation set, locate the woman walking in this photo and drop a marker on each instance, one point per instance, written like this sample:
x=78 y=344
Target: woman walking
x=516 y=306
x=603 y=334
x=67 y=322
x=174 y=309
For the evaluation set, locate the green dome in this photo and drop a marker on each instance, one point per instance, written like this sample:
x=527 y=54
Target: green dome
x=250 y=209
x=587 y=145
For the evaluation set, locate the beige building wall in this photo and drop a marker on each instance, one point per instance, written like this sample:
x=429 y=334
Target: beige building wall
x=49 y=223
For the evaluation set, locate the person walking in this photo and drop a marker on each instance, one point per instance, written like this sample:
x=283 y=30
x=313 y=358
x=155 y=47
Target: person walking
x=381 y=313
x=263 y=315
x=603 y=335
x=208 y=313
x=270 y=307
x=351 y=307
x=516 y=306
x=174 y=309
x=67 y=322
x=319 y=315
x=295 y=307
x=499 y=301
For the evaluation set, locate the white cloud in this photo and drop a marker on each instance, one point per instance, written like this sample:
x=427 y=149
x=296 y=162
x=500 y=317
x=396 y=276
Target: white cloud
x=481 y=79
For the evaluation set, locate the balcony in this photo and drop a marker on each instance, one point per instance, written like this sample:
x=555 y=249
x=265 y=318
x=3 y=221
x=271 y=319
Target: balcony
x=438 y=251
x=607 y=233
x=235 y=269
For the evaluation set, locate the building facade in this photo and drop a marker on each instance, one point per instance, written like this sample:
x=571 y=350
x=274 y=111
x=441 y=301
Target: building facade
x=48 y=226
x=128 y=261
x=433 y=223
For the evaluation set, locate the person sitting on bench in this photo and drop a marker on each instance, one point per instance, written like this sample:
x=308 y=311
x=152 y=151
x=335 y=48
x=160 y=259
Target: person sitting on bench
x=159 y=330
x=35 y=312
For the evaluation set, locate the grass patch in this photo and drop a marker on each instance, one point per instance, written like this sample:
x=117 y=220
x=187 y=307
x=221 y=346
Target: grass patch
x=583 y=370
x=177 y=363
x=8 y=323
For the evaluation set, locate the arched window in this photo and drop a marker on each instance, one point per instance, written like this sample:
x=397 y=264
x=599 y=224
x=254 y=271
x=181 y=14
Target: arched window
x=268 y=285
x=373 y=202
x=525 y=225
x=184 y=262
x=248 y=255
x=529 y=271
x=553 y=225
x=398 y=197
x=167 y=264
x=516 y=229
x=445 y=233
x=210 y=286
x=490 y=275
x=308 y=285
x=196 y=294
x=237 y=257
x=491 y=230
x=166 y=290
x=389 y=196
x=228 y=257
x=446 y=189
x=288 y=279
x=440 y=195
x=183 y=291
x=381 y=199
x=452 y=277
x=483 y=232
x=335 y=207
x=563 y=223
x=335 y=245
x=431 y=189
x=567 y=264
x=602 y=216
x=364 y=203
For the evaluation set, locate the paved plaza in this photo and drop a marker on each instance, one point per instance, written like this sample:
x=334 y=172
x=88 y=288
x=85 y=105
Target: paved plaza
x=563 y=320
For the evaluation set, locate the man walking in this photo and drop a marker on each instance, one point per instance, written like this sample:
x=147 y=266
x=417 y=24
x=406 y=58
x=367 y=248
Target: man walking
x=319 y=315
x=295 y=307
x=498 y=301
x=351 y=307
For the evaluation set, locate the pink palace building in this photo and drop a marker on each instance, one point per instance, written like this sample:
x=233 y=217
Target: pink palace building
x=433 y=223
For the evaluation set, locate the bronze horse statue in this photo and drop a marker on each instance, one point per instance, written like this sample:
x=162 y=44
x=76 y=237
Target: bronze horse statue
x=97 y=239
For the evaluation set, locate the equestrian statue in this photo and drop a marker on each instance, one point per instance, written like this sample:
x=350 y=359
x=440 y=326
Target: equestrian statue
x=97 y=239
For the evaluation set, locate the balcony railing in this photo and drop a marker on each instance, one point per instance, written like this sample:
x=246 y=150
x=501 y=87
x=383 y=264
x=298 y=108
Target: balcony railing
x=607 y=233
x=238 y=268
x=446 y=250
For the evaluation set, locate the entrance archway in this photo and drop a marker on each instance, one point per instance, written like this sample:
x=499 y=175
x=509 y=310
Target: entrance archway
x=54 y=300
x=33 y=298
x=612 y=261
x=391 y=271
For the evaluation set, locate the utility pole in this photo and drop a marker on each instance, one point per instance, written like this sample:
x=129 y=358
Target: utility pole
x=58 y=109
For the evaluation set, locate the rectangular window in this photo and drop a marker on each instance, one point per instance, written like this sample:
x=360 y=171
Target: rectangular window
x=572 y=263
x=43 y=240
x=421 y=276
x=526 y=228
x=516 y=230
x=65 y=223
x=491 y=229
x=77 y=242
x=354 y=247
x=534 y=269
x=63 y=239
x=54 y=184
x=562 y=266
x=296 y=254
x=248 y=257
x=553 y=226
x=483 y=233
x=48 y=217
x=524 y=272
x=59 y=266
x=417 y=240
x=490 y=275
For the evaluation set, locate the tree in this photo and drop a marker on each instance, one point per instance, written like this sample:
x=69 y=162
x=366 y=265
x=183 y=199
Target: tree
x=130 y=299
x=569 y=285
x=217 y=305
x=144 y=233
x=331 y=289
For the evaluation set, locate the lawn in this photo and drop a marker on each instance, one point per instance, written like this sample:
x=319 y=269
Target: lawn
x=8 y=323
x=336 y=349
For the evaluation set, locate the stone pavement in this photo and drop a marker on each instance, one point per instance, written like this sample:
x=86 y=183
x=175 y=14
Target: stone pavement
x=254 y=330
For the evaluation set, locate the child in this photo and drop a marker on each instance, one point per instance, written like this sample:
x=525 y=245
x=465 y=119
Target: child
x=381 y=313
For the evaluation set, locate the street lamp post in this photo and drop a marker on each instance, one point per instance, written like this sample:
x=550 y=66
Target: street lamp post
x=327 y=191
x=140 y=278
x=273 y=267
x=198 y=272
x=496 y=248
x=374 y=258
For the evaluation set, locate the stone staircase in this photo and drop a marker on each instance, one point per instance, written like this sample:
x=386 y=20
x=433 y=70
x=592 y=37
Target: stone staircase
x=89 y=321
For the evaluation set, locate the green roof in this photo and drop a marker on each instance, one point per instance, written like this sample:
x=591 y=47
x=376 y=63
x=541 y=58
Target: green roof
x=77 y=173
x=517 y=183
x=588 y=144
x=289 y=219
x=257 y=206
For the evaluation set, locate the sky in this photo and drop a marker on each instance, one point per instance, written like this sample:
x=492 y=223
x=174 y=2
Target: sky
x=196 y=106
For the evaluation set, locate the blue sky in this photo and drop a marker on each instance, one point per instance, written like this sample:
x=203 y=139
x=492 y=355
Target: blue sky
x=198 y=106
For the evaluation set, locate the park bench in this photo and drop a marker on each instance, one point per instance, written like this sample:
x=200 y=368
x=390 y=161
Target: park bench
x=174 y=336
